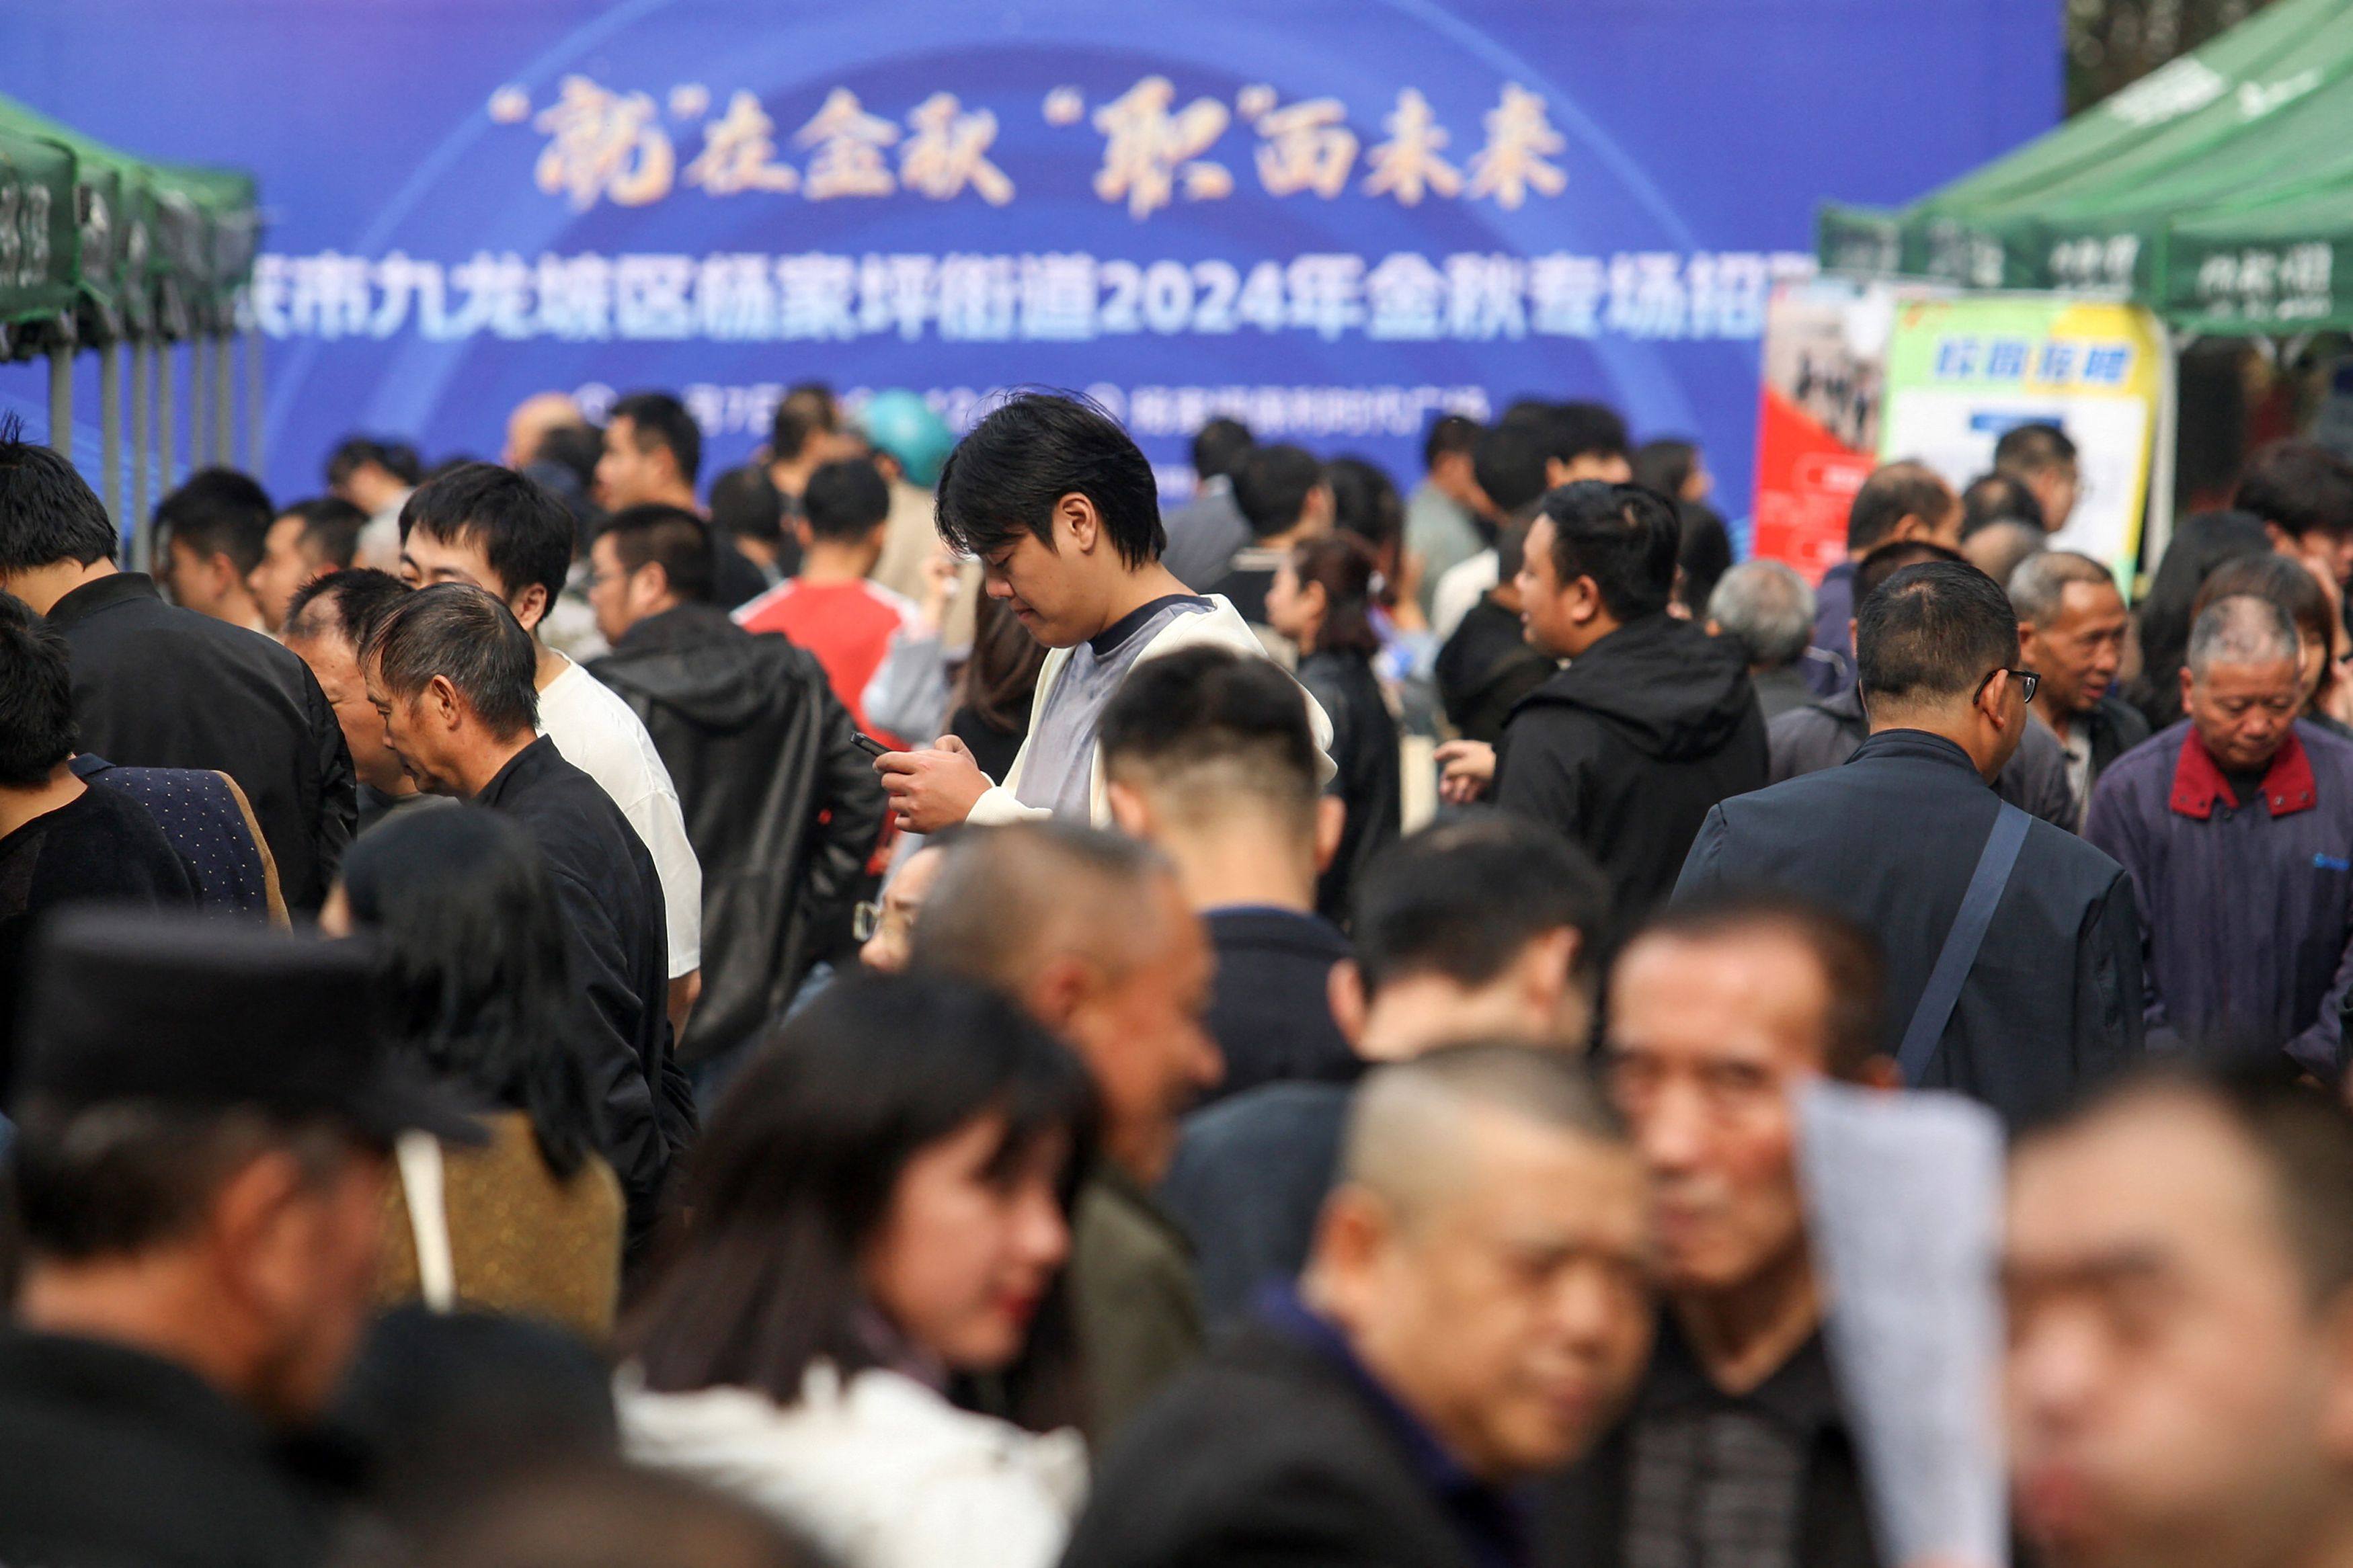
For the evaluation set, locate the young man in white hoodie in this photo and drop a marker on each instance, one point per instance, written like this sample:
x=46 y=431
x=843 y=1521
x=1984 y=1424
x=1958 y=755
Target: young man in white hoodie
x=1061 y=508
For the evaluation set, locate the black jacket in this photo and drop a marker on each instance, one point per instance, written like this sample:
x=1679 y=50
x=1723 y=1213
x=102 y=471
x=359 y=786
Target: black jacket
x=1370 y=781
x=2053 y=1001
x=1271 y=1008
x=1484 y=671
x=111 y=1457
x=1826 y=733
x=781 y=806
x=1586 y=1512
x=1626 y=750
x=156 y=686
x=616 y=946
x=1269 y=1452
x=1248 y=1182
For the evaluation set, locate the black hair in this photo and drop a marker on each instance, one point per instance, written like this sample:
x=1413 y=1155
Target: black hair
x=1582 y=429
x=113 y=1180
x=658 y=419
x=353 y=453
x=790 y=431
x=1508 y=461
x=796 y=1170
x=1933 y=631
x=524 y=531
x=574 y=449
x=846 y=501
x=1703 y=554
x=1894 y=492
x=36 y=714
x=331 y=530
x=1464 y=899
x=351 y=603
x=1341 y=565
x=1855 y=979
x=2200 y=543
x=1666 y=465
x=2298 y=487
x=219 y=511
x=1219 y=445
x=1448 y=433
x=1204 y=704
x=670 y=538
x=745 y=505
x=465 y=919
x=1365 y=501
x=1003 y=479
x=48 y=513
x=1271 y=486
x=1623 y=537
x=467 y=635
x=1997 y=497
x=2030 y=448
x=1889 y=558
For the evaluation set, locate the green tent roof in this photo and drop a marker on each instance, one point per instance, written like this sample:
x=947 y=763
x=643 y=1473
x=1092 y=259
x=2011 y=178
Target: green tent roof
x=2218 y=190
x=154 y=249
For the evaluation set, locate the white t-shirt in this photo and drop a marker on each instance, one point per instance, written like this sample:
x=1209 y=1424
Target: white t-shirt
x=597 y=733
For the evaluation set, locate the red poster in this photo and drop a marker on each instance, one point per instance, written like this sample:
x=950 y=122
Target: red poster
x=1818 y=430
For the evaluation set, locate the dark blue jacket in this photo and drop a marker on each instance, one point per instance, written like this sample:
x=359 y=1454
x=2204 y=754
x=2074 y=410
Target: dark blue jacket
x=2246 y=911
x=1891 y=839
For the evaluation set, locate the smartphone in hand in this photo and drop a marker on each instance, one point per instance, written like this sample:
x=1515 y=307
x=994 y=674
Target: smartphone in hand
x=867 y=744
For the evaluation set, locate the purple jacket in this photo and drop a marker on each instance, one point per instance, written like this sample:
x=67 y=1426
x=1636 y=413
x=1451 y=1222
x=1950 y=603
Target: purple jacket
x=2246 y=912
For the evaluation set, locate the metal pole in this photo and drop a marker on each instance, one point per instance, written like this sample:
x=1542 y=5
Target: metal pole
x=224 y=404
x=110 y=427
x=199 y=414
x=255 y=402
x=61 y=401
x=142 y=450
x=167 y=418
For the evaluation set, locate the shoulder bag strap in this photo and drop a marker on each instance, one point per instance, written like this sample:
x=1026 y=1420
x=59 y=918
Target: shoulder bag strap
x=1926 y=1030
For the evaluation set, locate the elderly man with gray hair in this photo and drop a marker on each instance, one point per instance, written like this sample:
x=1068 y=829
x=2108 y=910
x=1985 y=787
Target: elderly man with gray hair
x=1768 y=612
x=2237 y=827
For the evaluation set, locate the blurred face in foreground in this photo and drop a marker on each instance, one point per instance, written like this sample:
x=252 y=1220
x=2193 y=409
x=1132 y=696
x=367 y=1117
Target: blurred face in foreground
x=2175 y=1394
x=971 y=1242
x=1508 y=1303
x=1707 y=1038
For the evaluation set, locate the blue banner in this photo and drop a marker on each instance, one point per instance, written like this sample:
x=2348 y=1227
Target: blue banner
x=1330 y=217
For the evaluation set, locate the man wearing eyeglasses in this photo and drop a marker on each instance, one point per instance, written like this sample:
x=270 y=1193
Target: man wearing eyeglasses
x=2237 y=827
x=2012 y=947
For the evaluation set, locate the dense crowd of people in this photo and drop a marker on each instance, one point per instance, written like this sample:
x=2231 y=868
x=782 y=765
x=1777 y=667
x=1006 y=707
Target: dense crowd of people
x=907 y=1006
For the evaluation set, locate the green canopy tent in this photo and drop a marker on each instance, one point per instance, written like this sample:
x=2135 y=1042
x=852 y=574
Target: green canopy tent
x=2218 y=190
x=155 y=254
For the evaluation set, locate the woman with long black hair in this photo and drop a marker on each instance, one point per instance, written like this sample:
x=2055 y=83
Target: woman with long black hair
x=876 y=1212
x=460 y=903
x=1322 y=599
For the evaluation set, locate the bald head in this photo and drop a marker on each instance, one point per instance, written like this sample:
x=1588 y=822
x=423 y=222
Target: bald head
x=531 y=421
x=1010 y=901
x=1415 y=1130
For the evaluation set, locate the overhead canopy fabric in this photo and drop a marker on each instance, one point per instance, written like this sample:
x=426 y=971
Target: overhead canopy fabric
x=2218 y=190
x=130 y=249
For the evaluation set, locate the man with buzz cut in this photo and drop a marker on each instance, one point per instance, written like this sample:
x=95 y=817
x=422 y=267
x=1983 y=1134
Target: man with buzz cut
x=1061 y=507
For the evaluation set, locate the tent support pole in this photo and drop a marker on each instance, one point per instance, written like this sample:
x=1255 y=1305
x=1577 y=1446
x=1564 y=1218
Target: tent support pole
x=2157 y=532
x=142 y=453
x=254 y=387
x=167 y=417
x=199 y=411
x=61 y=401
x=224 y=404
x=110 y=426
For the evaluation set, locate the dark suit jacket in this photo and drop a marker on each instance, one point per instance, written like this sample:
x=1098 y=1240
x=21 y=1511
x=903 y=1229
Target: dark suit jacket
x=156 y=686
x=1270 y=1011
x=1268 y=1452
x=1891 y=839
